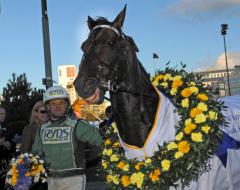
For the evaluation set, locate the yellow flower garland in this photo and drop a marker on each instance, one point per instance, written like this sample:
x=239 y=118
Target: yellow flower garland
x=181 y=159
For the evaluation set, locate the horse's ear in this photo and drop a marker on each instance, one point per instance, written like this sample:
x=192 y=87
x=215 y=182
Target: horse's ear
x=91 y=23
x=118 y=22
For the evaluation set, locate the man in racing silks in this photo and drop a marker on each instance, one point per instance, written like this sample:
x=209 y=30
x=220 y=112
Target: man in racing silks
x=61 y=143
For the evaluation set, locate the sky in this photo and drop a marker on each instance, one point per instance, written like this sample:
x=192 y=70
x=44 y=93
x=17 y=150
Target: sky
x=187 y=31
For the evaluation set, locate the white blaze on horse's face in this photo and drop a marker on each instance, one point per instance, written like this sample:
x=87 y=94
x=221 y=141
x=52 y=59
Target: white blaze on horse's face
x=98 y=63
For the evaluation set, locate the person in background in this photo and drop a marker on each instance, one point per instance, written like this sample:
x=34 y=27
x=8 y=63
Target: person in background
x=39 y=115
x=4 y=136
x=5 y=146
x=61 y=142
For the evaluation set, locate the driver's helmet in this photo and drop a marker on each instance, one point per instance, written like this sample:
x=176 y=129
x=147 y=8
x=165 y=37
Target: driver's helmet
x=55 y=92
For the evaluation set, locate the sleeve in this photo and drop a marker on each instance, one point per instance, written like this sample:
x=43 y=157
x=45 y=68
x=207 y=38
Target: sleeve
x=26 y=140
x=88 y=133
x=37 y=145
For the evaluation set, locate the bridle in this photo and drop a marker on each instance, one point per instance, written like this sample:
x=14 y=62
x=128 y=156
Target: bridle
x=113 y=85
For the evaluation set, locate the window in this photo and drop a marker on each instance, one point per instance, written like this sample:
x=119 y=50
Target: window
x=70 y=72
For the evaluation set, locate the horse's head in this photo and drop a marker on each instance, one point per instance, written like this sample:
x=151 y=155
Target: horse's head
x=104 y=51
x=110 y=63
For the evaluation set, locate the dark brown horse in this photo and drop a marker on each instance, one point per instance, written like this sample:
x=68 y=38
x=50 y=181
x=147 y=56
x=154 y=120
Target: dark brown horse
x=110 y=63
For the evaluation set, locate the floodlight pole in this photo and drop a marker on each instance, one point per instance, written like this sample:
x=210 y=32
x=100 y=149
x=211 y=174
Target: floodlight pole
x=46 y=43
x=224 y=32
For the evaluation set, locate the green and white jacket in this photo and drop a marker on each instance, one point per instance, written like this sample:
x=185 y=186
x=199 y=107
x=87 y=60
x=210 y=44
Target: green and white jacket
x=62 y=145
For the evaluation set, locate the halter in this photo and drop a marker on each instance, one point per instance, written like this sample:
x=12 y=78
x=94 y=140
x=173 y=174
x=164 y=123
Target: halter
x=113 y=86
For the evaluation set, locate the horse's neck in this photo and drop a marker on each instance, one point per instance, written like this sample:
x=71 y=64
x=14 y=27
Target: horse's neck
x=132 y=129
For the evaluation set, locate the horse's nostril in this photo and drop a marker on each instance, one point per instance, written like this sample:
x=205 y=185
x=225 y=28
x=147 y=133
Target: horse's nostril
x=91 y=82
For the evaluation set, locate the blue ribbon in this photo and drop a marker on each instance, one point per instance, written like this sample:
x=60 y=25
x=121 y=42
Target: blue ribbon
x=227 y=143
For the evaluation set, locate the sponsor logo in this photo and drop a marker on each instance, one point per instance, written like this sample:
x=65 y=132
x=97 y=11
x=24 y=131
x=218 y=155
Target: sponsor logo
x=56 y=92
x=56 y=135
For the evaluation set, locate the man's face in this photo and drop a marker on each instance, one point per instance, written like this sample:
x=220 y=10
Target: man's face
x=2 y=115
x=57 y=107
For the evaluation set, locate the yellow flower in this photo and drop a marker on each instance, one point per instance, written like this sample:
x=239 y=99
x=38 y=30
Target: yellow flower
x=173 y=91
x=192 y=83
x=178 y=154
x=159 y=77
x=185 y=103
x=104 y=164
x=154 y=175
x=14 y=180
x=121 y=165
x=205 y=129
x=107 y=142
x=114 y=158
x=125 y=167
x=109 y=178
x=115 y=179
x=14 y=175
x=184 y=146
x=202 y=97
x=177 y=78
x=138 y=165
x=155 y=83
x=125 y=180
x=137 y=178
x=195 y=112
x=116 y=144
x=202 y=106
x=177 y=83
x=189 y=127
x=197 y=137
x=171 y=145
x=193 y=89
x=107 y=152
x=167 y=77
x=164 y=84
x=165 y=164
x=188 y=121
x=20 y=160
x=200 y=118
x=179 y=136
x=148 y=161
x=212 y=115
x=186 y=92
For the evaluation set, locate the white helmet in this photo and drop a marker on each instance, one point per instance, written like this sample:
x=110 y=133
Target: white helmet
x=55 y=92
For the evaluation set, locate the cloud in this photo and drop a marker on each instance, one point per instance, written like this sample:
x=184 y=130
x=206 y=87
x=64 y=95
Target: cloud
x=205 y=10
x=233 y=59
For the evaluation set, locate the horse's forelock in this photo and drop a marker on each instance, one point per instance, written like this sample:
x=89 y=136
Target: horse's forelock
x=102 y=20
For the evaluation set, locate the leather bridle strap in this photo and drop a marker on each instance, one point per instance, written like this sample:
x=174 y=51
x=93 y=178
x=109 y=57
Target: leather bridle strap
x=114 y=87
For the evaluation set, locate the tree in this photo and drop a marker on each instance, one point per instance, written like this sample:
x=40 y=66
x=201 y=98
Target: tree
x=19 y=98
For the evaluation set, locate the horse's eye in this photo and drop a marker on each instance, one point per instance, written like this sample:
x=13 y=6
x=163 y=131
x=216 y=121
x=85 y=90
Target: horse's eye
x=112 y=42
